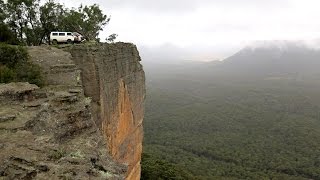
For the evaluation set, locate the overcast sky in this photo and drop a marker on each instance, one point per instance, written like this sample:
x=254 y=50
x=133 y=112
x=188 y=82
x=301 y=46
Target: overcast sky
x=208 y=29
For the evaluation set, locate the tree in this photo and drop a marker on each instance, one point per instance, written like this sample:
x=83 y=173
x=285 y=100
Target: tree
x=111 y=38
x=30 y=23
x=87 y=20
x=51 y=18
x=23 y=19
x=6 y=34
x=2 y=12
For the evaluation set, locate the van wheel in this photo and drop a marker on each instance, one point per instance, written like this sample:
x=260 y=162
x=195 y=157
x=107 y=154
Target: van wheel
x=54 y=42
x=69 y=41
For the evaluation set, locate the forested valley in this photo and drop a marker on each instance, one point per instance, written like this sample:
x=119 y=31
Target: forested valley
x=234 y=119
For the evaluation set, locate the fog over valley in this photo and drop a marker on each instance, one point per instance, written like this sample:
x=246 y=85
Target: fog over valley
x=208 y=29
x=160 y=90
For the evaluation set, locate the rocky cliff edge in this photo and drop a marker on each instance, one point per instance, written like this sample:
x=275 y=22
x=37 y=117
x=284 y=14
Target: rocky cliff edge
x=85 y=124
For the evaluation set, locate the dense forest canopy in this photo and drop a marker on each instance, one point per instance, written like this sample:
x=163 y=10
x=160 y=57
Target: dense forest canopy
x=29 y=23
x=237 y=119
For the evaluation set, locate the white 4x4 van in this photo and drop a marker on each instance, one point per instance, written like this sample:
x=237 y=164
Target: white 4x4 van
x=56 y=37
x=65 y=37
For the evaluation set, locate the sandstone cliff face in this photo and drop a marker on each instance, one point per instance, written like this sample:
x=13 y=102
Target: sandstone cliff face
x=49 y=133
x=113 y=76
x=85 y=124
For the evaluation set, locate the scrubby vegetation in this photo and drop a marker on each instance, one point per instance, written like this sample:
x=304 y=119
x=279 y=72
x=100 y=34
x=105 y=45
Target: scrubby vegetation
x=15 y=66
x=28 y=22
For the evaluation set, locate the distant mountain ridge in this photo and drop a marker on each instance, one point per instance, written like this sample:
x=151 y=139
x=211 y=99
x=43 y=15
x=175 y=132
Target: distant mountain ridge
x=295 y=60
x=274 y=58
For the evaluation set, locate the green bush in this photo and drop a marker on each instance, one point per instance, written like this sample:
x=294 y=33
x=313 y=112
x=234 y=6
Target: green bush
x=28 y=72
x=6 y=74
x=12 y=55
x=16 y=67
x=6 y=35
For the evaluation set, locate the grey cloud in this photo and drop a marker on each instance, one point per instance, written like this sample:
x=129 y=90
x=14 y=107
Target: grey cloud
x=169 y=52
x=225 y=28
x=189 y=5
x=148 y=5
x=165 y=6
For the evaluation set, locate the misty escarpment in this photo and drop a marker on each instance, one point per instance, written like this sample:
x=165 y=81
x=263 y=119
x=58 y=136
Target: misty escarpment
x=275 y=60
x=113 y=76
x=84 y=124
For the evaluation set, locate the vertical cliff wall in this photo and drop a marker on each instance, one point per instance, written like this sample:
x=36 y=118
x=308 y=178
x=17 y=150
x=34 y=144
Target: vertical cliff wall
x=52 y=132
x=113 y=77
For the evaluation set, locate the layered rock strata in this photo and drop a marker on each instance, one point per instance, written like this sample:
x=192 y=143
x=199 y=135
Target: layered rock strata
x=86 y=123
x=49 y=132
x=113 y=77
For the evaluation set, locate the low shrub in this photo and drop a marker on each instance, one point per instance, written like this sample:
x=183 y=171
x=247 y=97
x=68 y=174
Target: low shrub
x=15 y=66
x=28 y=72
x=12 y=55
x=6 y=74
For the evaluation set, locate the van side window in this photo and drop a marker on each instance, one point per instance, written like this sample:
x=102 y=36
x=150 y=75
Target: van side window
x=68 y=34
x=62 y=34
x=54 y=34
